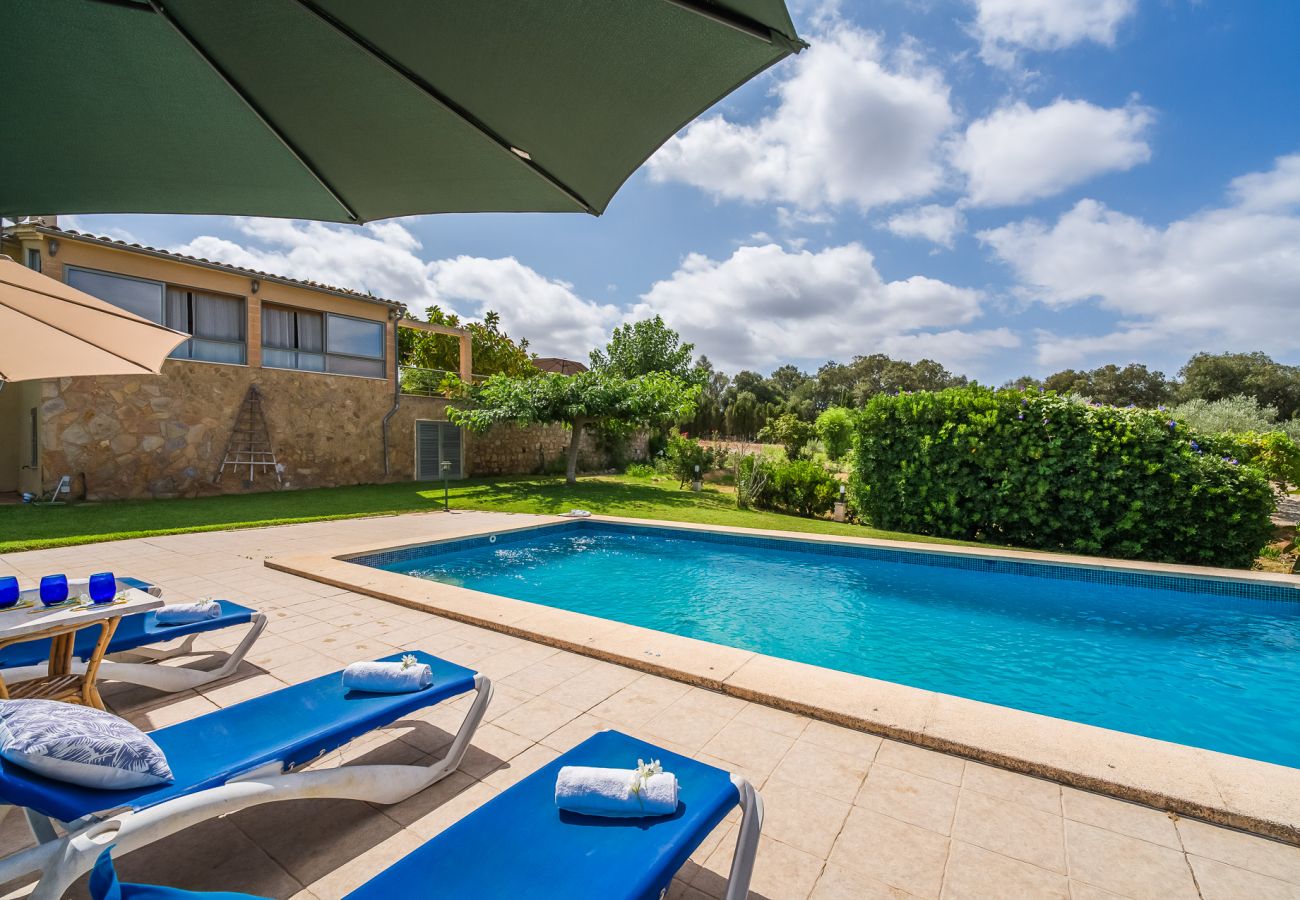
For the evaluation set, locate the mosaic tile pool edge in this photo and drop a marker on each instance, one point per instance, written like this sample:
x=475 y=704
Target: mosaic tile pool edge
x=1053 y=571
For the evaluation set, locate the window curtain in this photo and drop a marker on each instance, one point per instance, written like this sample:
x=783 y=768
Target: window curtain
x=218 y=318
x=277 y=327
x=311 y=332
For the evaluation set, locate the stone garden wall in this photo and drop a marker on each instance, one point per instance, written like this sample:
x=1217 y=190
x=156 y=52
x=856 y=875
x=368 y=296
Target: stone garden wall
x=165 y=435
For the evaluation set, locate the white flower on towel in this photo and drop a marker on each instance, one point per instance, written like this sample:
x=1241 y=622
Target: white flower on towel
x=409 y=660
x=643 y=772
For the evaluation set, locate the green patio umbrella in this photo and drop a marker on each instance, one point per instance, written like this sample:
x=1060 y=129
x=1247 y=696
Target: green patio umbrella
x=354 y=110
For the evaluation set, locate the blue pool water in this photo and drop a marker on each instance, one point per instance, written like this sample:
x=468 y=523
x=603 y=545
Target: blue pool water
x=1214 y=665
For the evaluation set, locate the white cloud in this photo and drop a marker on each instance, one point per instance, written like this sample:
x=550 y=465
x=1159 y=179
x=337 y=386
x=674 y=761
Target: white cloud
x=1223 y=279
x=556 y=321
x=1005 y=26
x=1273 y=190
x=383 y=258
x=935 y=223
x=1018 y=154
x=852 y=125
x=765 y=305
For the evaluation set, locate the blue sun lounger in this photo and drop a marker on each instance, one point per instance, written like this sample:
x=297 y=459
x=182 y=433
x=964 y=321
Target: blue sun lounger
x=137 y=635
x=232 y=759
x=519 y=845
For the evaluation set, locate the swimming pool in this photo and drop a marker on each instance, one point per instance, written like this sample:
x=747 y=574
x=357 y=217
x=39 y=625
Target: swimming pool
x=1209 y=663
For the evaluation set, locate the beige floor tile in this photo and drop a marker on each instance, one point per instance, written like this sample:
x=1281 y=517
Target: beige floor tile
x=369 y=862
x=770 y=719
x=1014 y=830
x=1125 y=865
x=521 y=766
x=920 y=761
x=1081 y=890
x=1220 y=881
x=536 y=718
x=802 y=818
x=537 y=678
x=781 y=872
x=640 y=701
x=753 y=748
x=838 y=883
x=1012 y=786
x=432 y=823
x=688 y=725
x=592 y=687
x=911 y=798
x=312 y=838
x=1124 y=818
x=574 y=732
x=1245 y=851
x=171 y=711
x=974 y=873
x=857 y=743
x=823 y=769
x=492 y=748
x=903 y=856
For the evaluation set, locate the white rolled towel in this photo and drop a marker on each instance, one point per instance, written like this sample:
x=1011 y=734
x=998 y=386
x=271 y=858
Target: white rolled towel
x=608 y=792
x=185 y=613
x=387 y=677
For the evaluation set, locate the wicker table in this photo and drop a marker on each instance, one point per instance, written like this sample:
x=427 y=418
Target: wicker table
x=30 y=621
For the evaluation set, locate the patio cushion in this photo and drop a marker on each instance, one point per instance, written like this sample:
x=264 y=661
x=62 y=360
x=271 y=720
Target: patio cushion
x=139 y=630
x=79 y=745
x=293 y=725
x=518 y=843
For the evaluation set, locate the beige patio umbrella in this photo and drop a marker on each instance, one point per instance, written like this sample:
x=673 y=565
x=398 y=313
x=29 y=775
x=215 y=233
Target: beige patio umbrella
x=50 y=330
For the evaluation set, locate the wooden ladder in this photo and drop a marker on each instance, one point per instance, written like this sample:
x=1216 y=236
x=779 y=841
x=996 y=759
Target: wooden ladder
x=250 y=441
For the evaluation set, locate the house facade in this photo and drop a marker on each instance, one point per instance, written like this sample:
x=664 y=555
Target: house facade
x=322 y=361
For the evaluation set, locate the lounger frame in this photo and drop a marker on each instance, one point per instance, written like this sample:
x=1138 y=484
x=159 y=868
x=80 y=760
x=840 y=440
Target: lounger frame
x=63 y=859
x=751 y=824
x=170 y=679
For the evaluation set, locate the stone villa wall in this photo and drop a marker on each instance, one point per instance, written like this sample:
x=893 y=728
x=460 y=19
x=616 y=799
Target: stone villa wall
x=513 y=449
x=165 y=435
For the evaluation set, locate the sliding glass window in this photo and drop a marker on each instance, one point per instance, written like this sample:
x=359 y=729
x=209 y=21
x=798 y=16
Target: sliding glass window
x=217 y=323
x=321 y=342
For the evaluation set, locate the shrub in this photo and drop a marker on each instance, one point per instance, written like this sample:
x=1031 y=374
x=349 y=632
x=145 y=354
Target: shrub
x=835 y=428
x=1037 y=470
x=639 y=470
x=1274 y=453
x=684 y=454
x=797 y=486
x=791 y=432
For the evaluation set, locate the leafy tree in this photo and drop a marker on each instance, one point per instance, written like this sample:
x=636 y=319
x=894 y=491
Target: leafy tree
x=835 y=428
x=640 y=348
x=1210 y=376
x=789 y=431
x=710 y=413
x=1240 y=413
x=786 y=380
x=686 y=456
x=591 y=399
x=1023 y=383
x=493 y=350
x=1133 y=385
x=742 y=415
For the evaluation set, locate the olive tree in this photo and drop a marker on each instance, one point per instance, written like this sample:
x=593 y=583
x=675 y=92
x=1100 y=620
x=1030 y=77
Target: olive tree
x=587 y=400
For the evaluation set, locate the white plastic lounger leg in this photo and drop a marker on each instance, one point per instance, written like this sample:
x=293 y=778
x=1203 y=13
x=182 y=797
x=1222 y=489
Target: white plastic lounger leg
x=751 y=824
x=158 y=654
x=63 y=861
x=171 y=679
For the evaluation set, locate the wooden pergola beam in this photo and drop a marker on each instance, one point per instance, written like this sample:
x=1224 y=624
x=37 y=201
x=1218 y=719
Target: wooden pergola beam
x=462 y=334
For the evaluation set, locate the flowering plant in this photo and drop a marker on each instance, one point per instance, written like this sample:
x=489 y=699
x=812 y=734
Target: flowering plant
x=642 y=774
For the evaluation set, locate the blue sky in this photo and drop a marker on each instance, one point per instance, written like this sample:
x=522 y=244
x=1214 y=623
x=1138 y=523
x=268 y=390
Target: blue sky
x=1008 y=186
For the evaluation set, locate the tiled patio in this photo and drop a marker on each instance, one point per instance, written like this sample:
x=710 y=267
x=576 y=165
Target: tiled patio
x=848 y=815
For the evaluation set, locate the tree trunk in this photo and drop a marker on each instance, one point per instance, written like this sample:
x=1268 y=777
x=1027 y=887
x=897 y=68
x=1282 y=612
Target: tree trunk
x=571 y=473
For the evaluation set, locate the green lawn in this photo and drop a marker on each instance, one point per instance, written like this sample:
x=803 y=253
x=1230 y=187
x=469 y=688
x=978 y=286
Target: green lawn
x=33 y=528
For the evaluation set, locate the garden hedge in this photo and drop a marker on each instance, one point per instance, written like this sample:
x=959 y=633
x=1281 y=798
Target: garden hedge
x=1039 y=470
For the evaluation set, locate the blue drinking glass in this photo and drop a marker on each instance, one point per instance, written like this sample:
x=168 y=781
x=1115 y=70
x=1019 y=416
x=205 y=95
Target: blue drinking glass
x=103 y=587
x=9 y=592
x=54 y=589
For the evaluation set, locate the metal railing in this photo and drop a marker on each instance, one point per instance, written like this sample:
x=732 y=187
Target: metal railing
x=419 y=382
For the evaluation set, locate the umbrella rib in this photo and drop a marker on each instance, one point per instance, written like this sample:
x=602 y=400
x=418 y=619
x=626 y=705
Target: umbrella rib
x=446 y=103
x=84 y=340
x=730 y=18
x=256 y=110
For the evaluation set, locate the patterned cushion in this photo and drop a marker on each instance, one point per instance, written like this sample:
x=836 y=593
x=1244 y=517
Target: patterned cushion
x=79 y=745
